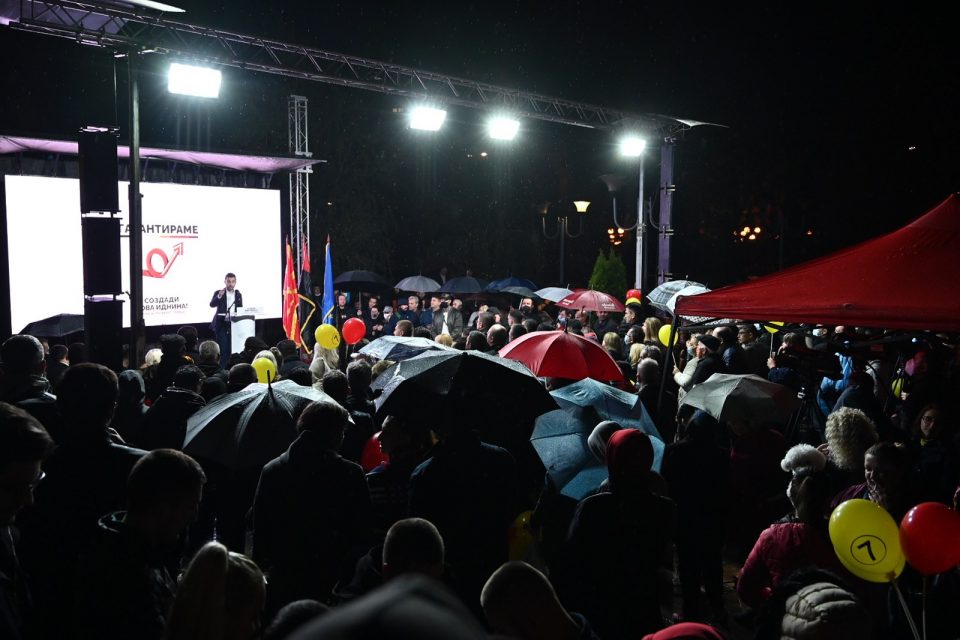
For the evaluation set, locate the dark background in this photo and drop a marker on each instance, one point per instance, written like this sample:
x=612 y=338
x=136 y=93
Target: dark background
x=841 y=119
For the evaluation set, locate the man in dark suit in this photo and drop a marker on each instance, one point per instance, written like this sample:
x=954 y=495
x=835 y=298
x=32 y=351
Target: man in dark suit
x=226 y=301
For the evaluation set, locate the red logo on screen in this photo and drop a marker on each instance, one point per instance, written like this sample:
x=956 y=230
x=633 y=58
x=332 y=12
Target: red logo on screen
x=155 y=256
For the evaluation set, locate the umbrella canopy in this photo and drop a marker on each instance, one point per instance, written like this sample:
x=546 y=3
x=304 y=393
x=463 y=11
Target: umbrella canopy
x=251 y=427
x=553 y=294
x=590 y=300
x=523 y=292
x=662 y=294
x=595 y=401
x=399 y=348
x=55 y=326
x=500 y=285
x=418 y=284
x=361 y=281
x=743 y=398
x=559 y=354
x=463 y=284
x=560 y=439
x=487 y=390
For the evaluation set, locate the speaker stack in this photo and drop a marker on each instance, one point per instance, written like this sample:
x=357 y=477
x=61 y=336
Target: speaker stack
x=102 y=311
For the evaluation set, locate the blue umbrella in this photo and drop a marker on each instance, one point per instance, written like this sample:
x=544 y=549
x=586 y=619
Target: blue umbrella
x=500 y=285
x=560 y=439
x=594 y=401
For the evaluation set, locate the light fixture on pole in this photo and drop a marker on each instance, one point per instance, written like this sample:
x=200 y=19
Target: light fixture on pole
x=563 y=212
x=190 y=80
x=425 y=118
x=502 y=128
x=632 y=146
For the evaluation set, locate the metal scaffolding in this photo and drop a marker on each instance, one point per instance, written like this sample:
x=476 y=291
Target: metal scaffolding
x=299 y=180
x=108 y=25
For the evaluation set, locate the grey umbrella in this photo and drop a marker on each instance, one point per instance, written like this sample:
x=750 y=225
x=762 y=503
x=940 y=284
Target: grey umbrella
x=661 y=295
x=419 y=284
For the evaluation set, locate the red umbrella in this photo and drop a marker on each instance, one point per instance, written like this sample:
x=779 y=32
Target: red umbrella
x=560 y=354
x=589 y=300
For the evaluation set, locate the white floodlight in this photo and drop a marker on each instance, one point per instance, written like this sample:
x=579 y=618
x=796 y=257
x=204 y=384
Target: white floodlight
x=502 y=128
x=632 y=146
x=427 y=118
x=188 y=80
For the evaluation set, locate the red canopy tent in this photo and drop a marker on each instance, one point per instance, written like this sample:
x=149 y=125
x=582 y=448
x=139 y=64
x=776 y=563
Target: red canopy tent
x=906 y=279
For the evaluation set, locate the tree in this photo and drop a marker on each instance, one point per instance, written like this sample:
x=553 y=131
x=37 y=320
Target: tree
x=609 y=274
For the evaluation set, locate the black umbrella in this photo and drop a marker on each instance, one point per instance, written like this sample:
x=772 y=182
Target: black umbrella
x=399 y=348
x=488 y=392
x=464 y=284
x=418 y=284
x=55 y=326
x=360 y=280
x=251 y=427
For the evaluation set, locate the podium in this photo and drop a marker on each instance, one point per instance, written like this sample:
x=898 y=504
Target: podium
x=242 y=326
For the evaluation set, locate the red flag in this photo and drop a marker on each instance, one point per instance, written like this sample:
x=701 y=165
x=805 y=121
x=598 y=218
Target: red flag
x=291 y=300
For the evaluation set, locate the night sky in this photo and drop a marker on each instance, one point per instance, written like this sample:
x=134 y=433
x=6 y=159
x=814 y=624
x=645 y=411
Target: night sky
x=842 y=120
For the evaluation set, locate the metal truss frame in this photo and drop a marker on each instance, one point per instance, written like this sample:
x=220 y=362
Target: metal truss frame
x=299 y=179
x=109 y=25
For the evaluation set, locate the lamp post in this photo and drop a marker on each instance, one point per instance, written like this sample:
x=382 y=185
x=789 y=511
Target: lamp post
x=632 y=146
x=563 y=211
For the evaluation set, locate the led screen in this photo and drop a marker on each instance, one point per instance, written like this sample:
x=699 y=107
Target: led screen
x=192 y=236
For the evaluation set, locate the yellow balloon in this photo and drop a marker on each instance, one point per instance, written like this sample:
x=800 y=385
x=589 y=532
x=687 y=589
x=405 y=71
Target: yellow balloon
x=897 y=387
x=664 y=335
x=774 y=329
x=266 y=370
x=520 y=536
x=633 y=301
x=866 y=540
x=327 y=336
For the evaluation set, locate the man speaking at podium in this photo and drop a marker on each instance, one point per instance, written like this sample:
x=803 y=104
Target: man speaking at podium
x=226 y=301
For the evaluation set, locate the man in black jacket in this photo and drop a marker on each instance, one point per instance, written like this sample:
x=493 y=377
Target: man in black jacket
x=85 y=478
x=24 y=444
x=123 y=587
x=226 y=301
x=710 y=360
x=311 y=513
x=165 y=425
x=22 y=382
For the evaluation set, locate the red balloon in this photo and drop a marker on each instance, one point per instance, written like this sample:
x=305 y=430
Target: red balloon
x=353 y=330
x=372 y=456
x=930 y=537
x=634 y=293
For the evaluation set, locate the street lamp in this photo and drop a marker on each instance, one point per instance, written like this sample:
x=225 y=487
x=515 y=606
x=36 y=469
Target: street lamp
x=632 y=146
x=563 y=212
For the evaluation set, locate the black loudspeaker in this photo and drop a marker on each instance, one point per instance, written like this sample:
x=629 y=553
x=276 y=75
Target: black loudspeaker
x=103 y=323
x=101 y=255
x=98 y=172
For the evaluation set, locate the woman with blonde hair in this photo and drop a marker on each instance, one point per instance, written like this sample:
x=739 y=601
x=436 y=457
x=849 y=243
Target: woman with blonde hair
x=613 y=343
x=651 y=330
x=849 y=433
x=323 y=360
x=220 y=597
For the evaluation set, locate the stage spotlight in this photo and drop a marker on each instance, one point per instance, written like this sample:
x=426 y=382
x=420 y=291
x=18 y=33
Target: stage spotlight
x=188 y=80
x=632 y=146
x=427 y=118
x=502 y=128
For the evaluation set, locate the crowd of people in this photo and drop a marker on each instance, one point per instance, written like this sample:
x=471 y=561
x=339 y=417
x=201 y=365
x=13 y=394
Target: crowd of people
x=107 y=532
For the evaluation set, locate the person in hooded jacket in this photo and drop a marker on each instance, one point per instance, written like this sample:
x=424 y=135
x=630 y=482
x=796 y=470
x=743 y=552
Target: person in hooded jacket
x=697 y=473
x=123 y=585
x=165 y=425
x=618 y=561
x=128 y=419
x=22 y=382
x=311 y=512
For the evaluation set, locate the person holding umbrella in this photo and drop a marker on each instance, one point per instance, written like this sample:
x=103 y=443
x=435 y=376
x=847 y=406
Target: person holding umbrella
x=618 y=562
x=311 y=512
